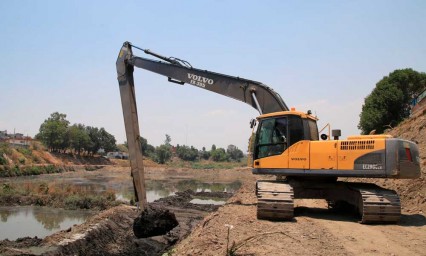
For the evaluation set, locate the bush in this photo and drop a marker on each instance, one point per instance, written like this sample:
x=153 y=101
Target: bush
x=219 y=155
x=7 y=188
x=163 y=154
x=187 y=153
x=5 y=148
x=2 y=160
x=25 y=151
x=21 y=160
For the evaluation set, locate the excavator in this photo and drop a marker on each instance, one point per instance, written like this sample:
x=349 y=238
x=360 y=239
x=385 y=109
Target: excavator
x=287 y=145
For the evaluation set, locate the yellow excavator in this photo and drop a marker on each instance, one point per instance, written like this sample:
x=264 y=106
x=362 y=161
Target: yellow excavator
x=287 y=144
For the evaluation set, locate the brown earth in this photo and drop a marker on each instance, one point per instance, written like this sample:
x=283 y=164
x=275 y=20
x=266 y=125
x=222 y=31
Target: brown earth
x=316 y=230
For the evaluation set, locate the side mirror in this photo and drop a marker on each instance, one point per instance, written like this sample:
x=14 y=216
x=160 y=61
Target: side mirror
x=324 y=136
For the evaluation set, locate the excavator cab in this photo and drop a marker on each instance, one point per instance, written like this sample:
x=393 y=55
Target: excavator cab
x=278 y=131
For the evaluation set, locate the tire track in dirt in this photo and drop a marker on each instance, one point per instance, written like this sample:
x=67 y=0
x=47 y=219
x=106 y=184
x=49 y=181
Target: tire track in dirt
x=404 y=238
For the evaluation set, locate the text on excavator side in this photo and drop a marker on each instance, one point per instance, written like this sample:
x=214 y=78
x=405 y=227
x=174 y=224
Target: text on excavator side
x=199 y=80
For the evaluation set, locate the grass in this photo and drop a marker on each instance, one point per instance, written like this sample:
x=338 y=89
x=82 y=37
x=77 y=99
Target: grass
x=207 y=164
x=55 y=195
x=16 y=170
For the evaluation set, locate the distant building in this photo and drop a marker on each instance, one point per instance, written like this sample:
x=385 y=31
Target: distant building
x=20 y=141
x=117 y=155
x=3 y=135
x=419 y=104
x=15 y=139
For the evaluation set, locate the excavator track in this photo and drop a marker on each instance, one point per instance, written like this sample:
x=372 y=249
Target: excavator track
x=274 y=200
x=377 y=205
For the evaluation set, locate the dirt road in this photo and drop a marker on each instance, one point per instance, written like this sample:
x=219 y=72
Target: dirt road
x=315 y=230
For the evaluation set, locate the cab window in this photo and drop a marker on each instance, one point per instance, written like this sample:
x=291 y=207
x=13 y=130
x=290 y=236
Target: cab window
x=271 y=137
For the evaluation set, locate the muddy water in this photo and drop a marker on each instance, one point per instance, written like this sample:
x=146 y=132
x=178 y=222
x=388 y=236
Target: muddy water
x=33 y=221
x=122 y=185
x=36 y=221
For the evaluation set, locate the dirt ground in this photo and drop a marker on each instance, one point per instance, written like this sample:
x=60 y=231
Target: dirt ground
x=315 y=230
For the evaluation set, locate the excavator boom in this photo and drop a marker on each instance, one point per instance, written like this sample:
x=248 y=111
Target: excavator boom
x=253 y=93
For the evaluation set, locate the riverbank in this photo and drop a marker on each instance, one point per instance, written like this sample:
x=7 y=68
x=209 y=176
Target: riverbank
x=190 y=194
x=110 y=231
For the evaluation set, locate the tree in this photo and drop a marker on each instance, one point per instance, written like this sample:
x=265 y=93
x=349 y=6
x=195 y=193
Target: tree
x=147 y=149
x=168 y=140
x=79 y=139
x=95 y=140
x=204 y=154
x=107 y=140
x=187 y=153
x=234 y=153
x=53 y=132
x=163 y=153
x=219 y=155
x=389 y=102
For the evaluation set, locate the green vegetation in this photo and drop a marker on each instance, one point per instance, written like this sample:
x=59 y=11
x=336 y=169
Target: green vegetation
x=56 y=134
x=164 y=153
x=4 y=150
x=16 y=170
x=389 y=102
x=207 y=164
x=187 y=153
x=55 y=195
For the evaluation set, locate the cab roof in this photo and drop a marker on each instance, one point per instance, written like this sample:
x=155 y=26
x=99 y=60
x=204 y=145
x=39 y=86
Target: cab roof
x=288 y=113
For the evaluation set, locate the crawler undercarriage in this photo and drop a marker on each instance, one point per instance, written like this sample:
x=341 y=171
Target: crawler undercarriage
x=375 y=204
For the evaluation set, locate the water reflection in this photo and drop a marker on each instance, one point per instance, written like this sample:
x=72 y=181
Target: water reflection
x=37 y=221
x=156 y=189
x=42 y=221
x=215 y=201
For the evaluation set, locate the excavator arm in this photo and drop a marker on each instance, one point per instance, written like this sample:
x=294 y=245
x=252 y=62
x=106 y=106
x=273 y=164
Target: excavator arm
x=255 y=94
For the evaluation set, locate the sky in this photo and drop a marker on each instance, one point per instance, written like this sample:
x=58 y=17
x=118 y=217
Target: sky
x=324 y=56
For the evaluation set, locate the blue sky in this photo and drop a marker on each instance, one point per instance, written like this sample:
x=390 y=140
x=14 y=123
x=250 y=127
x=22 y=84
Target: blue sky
x=321 y=55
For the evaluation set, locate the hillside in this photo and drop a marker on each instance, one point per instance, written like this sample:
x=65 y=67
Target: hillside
x=36 y=154
x=412 y=192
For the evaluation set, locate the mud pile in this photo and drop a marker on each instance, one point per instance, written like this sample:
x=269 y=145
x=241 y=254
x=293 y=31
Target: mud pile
x=154 y=221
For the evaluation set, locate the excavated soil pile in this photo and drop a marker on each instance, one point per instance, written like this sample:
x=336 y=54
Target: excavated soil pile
x=110 y=232
x=155 y=220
